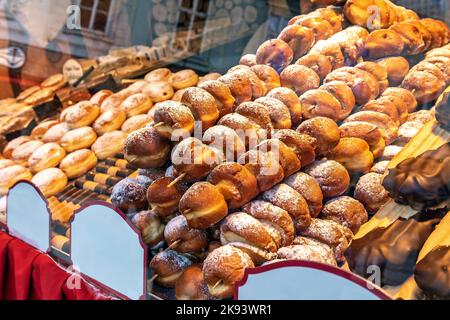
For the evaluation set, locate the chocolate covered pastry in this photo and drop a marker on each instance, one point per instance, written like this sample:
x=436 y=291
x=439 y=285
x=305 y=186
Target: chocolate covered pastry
x=394 y=249
x=423 y=181
x=432 y=273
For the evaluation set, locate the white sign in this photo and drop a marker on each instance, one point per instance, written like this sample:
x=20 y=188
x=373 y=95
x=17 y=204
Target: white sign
x=27 y=216
x=12 y=57
x=304 y=280
x=106 y=248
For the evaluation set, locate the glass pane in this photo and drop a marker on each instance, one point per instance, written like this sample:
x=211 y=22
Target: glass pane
x=203 y=6
x=103 y=5
x=100 y=22
x=187 y=4
x=87 y=3
x=85 y=17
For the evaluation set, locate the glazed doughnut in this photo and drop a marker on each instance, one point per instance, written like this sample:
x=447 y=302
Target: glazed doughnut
x=136 y=123
x=354 y=154
x=359 y=12
x=203 y=205
x=370 y=192
x=112 y=102
x=14 y=144
x=150 y=226
x=226 y=140
x=169 y=265
x=164 y=200
x=146 y=149
x=136 y=104
x=275 y=218
x=351 y=43
x=388 y=128
x=109 y=144
x=287 y=156
x=380 y=167
x=176 y=118
x=223 y=268
x=320 y=103
x=425 y=86
x=310 y=190
x=383 y=106
x=329 y=14
x=187 y=240
x=385 y=103
x=5 y=163
x=397 y=69
x=443 y=63
x=158 y=91
x=290 y=99
x=50 y=181
x=319 y=63
x=275 y=53
x=279 y=112
x=439 y=32
x=22 y=153
x=256 y=113
x=240 y=86
x=366 y=131
x=9 y=176
x=265 y=166
x=299 y=38
x=429 y=67
x=47 y=156
x=77 y=139
x=194 y=159
x=184 y=79
x=412 y=34
x=390 y=152
x=248 y=60
x=376 y=70
x=332 y=51
x=303 y=145
x=222 y=94
x=299 y=78
x=40 y=130
x=202 y=105
x=78 y=163
x=55 y=133
x=287 y=198
x=324 y=130
x=267 y=75
x=258 y=87
x=382 y=43
x=191 y=285
x=406 y=98
x=342 y=92
x=346 y=211
x=321 y=28
x=333 y=178
x=80 y=115
x=161 y=74
x=100 y=96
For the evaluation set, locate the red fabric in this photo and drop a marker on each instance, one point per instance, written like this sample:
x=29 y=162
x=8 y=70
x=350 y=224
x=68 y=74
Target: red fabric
x=26 y=273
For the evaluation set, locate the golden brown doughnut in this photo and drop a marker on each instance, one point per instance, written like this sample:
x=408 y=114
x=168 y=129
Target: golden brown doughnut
x=387 y=127
x=402 y=108
x=100 y=96
x=150 y=226
x=290 y=99
x=278 y=111
x=22 y=153
x=136 y=123
x=366 y=131
x=157 y=92
x=202 y=105
x=78 y=163
x=178 y=95
x=303 y=145
x=55 y=133
x=55 y=82
x=411 y=36
x=80 y=115
x=240 y=86
x=430 y=68
x=13 y=144
x=191 y=285
x=380 y=167
x=5 y=163
x=406 y=97
x=443 y=63
x=382 y=43
x=376 y=70
x=332 y=51
x=346 y=211
x=164 y=196
x=267 y=75
x=299 y=78
x=223 y=268
x=112 y=102
x=109 y=121
x=161 y=74
x=226 y=140
x=169 y=265
x=425 y=86
x=439 y=32
x=354 y=154
x=9 y=176
x=321 y=28
x=397 y=69
x=81 y=138
x=319 y=63
x=47 y=156
x=248 y=131
x=359 y=12
x=220 y=91
x=287 y=157
x=136 y=87
x=184 y=79
x=324 y=130
x=175 y=118
x=146 y=149
x=257 y=113
x=383 y=106
x=40 y=130
x=110 y=144
x=342 y=92
x=309 y=188
x=136 y=104
x=39 y=97
x=50 y=181
x=329 y=14
x=333 y=178
x=370 y=192
x=438 y=52
x=275 y=53
x=258 y=87
x=187 y=240
x=248 y=60
x=203 y=205
x=320 y=103
x=299 y=38
x=27 y=93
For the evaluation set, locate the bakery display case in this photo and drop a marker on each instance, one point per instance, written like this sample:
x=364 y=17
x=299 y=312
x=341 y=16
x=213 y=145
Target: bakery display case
x=224 y=141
